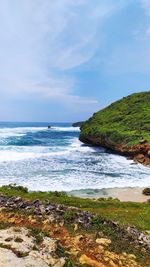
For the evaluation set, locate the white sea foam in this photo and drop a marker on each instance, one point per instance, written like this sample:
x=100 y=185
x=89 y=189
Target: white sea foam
x=18 y=131
x=14 y=156
x=15 y=153
x=74 y=181
x=21 y=131
x=66 y=129
x=76 y=145
x=71 y=167
x=23 y=153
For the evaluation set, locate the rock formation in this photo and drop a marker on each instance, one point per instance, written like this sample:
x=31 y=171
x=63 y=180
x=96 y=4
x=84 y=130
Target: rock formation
x=36 y=234
x=123 y=127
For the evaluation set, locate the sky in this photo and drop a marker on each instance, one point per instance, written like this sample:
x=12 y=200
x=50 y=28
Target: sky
x=62 y=60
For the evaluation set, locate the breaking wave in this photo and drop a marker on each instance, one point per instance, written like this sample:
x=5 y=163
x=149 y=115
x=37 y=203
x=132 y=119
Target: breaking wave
x=54 y=159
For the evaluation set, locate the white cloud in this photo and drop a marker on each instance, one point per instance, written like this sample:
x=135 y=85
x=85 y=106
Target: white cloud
x=146 y=6
x=41 y=40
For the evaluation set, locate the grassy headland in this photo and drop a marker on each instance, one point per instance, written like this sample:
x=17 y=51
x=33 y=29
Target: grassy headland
x=124 y=126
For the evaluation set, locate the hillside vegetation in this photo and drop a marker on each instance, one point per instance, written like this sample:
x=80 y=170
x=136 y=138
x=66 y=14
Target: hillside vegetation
x=126 y=121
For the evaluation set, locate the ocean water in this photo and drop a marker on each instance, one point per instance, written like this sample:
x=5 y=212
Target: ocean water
x=54 y=159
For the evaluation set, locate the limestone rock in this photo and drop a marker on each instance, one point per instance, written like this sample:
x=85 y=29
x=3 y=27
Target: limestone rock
x=86 y=260
x=103 y=241
x=17 y=248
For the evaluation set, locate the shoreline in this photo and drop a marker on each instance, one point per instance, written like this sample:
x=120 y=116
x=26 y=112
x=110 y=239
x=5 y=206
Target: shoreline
x=125 y=194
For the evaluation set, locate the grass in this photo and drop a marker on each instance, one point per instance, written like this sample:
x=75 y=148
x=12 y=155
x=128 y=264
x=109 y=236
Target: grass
x=68 y=262
x=120 y=243
x=69 y=216
x=126 y=213
x=126 y=121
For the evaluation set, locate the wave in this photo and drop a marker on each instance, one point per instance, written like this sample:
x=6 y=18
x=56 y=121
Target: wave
x=61 y=162
x=18 y=131
x=22 y=131
x=76 y=145
x=15 y=153
x=79 y=181
x=65 y=129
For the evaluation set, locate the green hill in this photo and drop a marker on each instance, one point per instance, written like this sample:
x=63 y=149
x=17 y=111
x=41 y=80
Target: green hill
x=125 y=123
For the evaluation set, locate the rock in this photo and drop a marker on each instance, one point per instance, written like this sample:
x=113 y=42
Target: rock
x=139 y=237
x=49 y=208
x=19 y=242
x=2 y=199
x=87 y=260
x=143 y=141
x=23 y=205
x=140 y=157
x=54 y=213
x=146 y=191
x=103 y=241
x=9 y=259
x=79 y=238
x=120 y=125
x=147 y=161
x=75 y=227
x=36 y=202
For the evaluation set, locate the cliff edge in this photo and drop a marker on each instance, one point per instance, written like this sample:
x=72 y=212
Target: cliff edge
x=123 y=127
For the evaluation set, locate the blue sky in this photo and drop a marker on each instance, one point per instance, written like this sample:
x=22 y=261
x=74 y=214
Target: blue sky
x=63 y=60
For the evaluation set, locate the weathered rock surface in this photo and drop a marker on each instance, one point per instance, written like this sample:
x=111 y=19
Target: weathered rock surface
x=17 y=248
x=58 y=213
x=91 y=248
x=9 y=259
x=54 y=212
x=146 y=191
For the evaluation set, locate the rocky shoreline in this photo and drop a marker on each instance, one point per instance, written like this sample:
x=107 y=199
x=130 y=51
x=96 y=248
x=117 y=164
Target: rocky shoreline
x=139 y=153
x=122 y=127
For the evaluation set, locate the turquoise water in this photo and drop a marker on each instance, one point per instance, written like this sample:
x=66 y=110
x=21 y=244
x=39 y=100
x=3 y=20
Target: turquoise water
x=54 y=159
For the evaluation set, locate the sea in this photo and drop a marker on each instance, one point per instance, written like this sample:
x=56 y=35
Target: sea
x=55 y=160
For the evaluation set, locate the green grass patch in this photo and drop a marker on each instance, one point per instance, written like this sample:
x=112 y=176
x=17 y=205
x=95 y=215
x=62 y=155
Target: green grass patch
x=126 y=213
x=120 y=242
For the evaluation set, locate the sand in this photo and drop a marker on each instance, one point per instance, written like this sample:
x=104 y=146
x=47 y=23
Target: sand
x=133 y=194
x=128 y=194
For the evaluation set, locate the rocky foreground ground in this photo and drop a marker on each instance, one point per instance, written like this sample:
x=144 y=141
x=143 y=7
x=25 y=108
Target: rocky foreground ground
x=34 y=234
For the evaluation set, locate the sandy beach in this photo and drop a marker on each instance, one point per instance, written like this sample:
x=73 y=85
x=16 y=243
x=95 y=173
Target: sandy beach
x=133 y=194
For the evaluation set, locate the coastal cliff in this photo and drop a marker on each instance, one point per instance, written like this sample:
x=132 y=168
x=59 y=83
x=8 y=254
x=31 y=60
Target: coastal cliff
x=123 y=127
